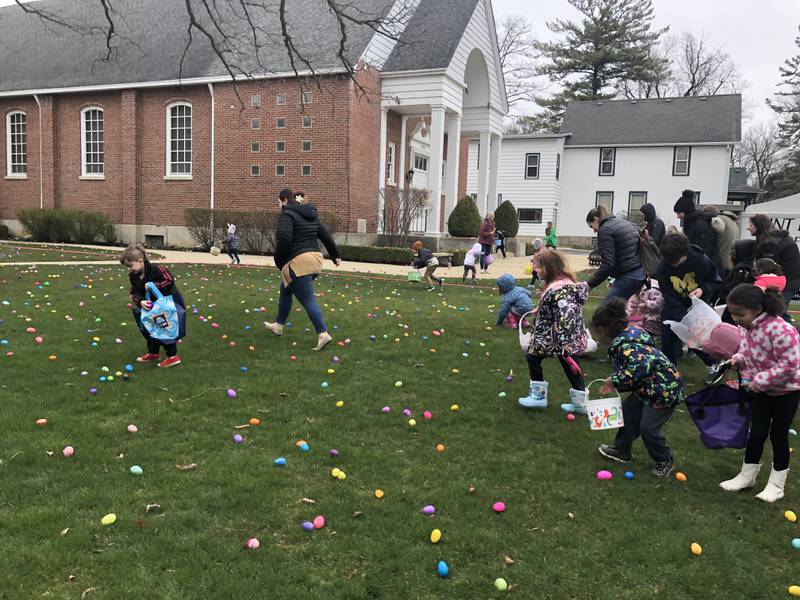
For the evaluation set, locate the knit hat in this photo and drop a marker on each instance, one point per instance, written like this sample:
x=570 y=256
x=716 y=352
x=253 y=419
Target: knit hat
x=685 y=203
x=537 y=244
x=231 y=228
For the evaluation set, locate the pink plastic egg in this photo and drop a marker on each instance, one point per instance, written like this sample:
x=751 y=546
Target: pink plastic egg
x=68 y=451
x=570 y=417
x=604 y=475
x=132 y=428
x=253 y=544
x=38 y=339
x=499 y=507
x=319 y=522
x=427 y=414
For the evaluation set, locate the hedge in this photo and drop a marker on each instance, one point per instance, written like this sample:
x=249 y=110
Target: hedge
x=374 y=254
x=67 y=225
x=5 y=233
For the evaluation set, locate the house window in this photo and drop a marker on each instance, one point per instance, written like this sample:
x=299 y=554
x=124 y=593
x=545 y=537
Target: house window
x=474 y=198
x=255 y=147
x=635 y=201
x=306 y=145
x=558 y=166
x=280 y=123
x=179 y=139
x=420 y=163
x=607 y=159
x=697 y=197
x=255 y=170
x=92 y=142
x=681 y=160
x=529 y=215
x=280 y=146
x=16 y=144
x=280 y=99
x=255 y=100
x=499 y=199
x=305 y=170
x=307 y=122
x=532 y=166
x=255 y=123
x=280 y=170
x=308 y=97
x=390 y=154
x=605 y=199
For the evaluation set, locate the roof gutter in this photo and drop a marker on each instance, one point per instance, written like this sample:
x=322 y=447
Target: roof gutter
x=654 y=145
x=41 y=170
x=166 y=83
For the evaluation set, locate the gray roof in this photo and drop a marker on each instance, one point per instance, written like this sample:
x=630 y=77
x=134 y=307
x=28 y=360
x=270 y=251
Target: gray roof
x=432 y=35
x=534 y=136
x=692 y=120
x=152 y=36
x=737 y=182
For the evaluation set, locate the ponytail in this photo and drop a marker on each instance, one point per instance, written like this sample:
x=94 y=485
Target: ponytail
x=751 y=297
x=600 y=212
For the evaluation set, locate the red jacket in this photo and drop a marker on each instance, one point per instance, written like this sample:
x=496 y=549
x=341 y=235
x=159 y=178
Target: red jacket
x=487 y=232
x=771 y=281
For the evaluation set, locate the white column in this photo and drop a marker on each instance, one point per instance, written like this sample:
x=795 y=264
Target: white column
x=483 y=172
x=381 y=167
x=435 y=167
x=494 y=171
x=453 y=162
x=402 y=174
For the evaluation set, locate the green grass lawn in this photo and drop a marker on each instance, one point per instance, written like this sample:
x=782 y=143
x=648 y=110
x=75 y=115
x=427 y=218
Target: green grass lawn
x=12 y=252
x=568 y=534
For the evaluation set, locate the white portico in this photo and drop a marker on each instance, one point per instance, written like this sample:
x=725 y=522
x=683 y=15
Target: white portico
x=462 y=96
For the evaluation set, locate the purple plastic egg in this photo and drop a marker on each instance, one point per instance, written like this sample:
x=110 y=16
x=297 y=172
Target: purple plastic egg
x=406 y=412
x=386 y=410
x=428 y=509
x=231 y=393
x=93 y=391
x=334 y=452
x=238 y=439
x=308 y=526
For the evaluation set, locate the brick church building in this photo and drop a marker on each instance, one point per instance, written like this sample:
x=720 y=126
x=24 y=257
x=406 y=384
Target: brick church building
x=142 y=139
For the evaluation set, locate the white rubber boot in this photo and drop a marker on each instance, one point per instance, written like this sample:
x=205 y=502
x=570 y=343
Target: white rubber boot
x=577 y=401
x=537 y=395
x=774 y=489
x=744 y=480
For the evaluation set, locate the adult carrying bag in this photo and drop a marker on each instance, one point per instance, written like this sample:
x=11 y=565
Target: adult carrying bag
x=166 y=320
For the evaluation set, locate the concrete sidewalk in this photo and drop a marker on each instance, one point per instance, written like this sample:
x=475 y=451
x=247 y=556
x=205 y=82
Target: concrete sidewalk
x=578 y=261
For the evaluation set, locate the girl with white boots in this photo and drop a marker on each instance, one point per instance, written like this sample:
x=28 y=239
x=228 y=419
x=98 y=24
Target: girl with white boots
x=769 y=368
x=559 y=331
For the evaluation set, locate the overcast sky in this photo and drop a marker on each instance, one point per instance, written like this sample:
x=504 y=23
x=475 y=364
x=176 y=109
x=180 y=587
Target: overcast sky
x=758 y=35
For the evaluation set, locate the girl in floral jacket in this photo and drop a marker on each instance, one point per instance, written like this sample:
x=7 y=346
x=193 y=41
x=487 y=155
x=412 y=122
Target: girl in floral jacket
x=558 y=332
x=769 y=368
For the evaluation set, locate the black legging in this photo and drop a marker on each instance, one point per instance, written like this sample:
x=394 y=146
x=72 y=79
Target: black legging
x=771 y=416
x=536 y=373
x=486 y=250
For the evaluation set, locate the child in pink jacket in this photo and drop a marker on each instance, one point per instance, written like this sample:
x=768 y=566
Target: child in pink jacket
x=769 y=368
x=644 y=308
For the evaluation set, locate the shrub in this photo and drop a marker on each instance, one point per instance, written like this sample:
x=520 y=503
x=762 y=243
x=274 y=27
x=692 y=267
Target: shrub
x=464 y=221
x=200 y=226
x=109 y=234
x=4 y=232
x=89 y=226
x=458 y=256
x=506 y=220
x=374 y=254
x=48 y=225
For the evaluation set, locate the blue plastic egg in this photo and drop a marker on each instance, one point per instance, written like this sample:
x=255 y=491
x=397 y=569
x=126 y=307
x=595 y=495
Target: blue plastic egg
x=304 y=447
x=243 y=369
x=796 y=543
x=442 y=569
x=628 y=474
x=280 y=462
x=129 y=368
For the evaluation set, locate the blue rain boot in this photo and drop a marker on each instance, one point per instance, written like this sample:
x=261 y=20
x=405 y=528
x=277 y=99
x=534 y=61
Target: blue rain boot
x=577 y=402
x=537 y=395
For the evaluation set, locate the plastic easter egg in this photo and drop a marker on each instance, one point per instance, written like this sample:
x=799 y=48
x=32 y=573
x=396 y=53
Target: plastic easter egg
x=132 y=428
x=319 y=522
x=455 y=371
x=333 y=452
x=680 y=476
x=238 y=439
x=499 y=507
x=68 y=451
x=406 y=412
x=428 y=509
x=427 y=415
x=500 y=584
x=501 y=395
x=136 y=470
x=790 y=516
x=372 y=338
x=796 y=543
x=252 y=544
x=341 y=476
x=280 y=462
x=254 y=422
x=412 y=423
x=339 y=403
x=570 y=417
x=604 y=475
x=243 y=369
x=308 y=526
x=386 y=410
x=129 y=368
x=792 y=432
x=436 y=333
x=38 y=339
x=629 y=475
x=794 y=590
x=52 y=357
x=292 y=357
x=454 y=407
x=324 y=385
x=41 y=422
x=93 y=391
x=109 y=519
x=379 y=494
x=696 y=549
x=398 y=384
x=231 y=393
x=304 y=447
x=109 y=378
x=424 y=338
x=335 y=472
x=30 y=330
x=440 y=447
x=331 y=371
x=442 y=569
x=436 y=535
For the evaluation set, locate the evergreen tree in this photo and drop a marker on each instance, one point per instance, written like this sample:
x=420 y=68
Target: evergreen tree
x=612 y=43
x=465 y=220
x=787 y=101
x=506 y=220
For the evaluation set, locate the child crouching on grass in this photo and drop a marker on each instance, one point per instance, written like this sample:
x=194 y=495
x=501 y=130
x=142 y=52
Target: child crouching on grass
x=141 y=272
x=655 y=384
x=515 y=302
x=769 y=369
x=424 y=258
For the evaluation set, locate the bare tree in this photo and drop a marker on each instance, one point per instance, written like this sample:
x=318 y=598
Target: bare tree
x=515 y=39
x=400 y=209
x=759 y=153
x=700 y=70
x=657 y=83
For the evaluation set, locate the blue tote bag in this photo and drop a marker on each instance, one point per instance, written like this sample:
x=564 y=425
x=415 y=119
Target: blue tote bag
x=166 y=321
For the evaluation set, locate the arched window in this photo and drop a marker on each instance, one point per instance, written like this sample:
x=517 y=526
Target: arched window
x=179 y=140
x=92 y=142
x=17 y=144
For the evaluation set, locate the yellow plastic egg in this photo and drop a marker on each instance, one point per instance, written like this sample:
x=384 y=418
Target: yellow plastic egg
x=794 y=590
x=335 y=472
x=436 y=535
x=454 y=407
x=696 y=549
x=109 y=519
x=340 y=404
x=790 y=516
x=440 y=447
x=412 y=422
x=52 y=357
x=455 y=371
x=342 y=476
x=379 y=493
x=331 y=371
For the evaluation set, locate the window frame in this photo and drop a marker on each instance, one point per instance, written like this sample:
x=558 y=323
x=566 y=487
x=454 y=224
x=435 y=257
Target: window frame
x=255 y=170
x=424 y=157
x=537 y=166
x=10 y=173
x=255 y=124
x=558 y=166
x=310 y=97
x=302 y=171
x=630 y=197
x=255 y=100
x=280 y=99
x=85 y=174
x=391 y=160
x=278 y=121
x=310 y=121
x=613 y=162
x=303 y=145
x=277 y=147
x=533 y=220
x=597 y=200
x=255 y=147
x=168 y=137
x=283 y=168
x=688 y=161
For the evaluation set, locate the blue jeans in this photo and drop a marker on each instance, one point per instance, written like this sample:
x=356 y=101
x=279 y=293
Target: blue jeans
x=626 y=285
x=302 y=288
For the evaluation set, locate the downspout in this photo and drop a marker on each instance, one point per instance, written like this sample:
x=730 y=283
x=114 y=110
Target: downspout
x=41 y=170
x=213 y=119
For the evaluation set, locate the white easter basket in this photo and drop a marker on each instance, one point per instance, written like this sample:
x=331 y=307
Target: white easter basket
x=604 y=413
x=214 y=251
x=524 y=337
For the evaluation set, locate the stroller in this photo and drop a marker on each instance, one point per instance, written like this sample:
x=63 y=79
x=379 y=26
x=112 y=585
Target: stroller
x=594 y=256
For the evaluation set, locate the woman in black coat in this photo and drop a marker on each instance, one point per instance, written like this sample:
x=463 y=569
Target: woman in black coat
x=780 y=247
x=298 y=257
x=697 y=226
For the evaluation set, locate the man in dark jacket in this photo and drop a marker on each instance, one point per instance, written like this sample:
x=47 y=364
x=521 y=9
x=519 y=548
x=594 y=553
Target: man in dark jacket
x=655 y=226
x=619 y=247
x=781 y=248
x=685 y=273
x=697 y=226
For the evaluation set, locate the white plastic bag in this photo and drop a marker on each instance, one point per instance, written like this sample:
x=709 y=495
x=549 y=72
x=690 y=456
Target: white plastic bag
x=695 y=328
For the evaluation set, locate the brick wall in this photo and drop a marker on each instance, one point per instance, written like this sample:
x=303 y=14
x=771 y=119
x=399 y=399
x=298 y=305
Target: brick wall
x=19 y=193
x=364 y=140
